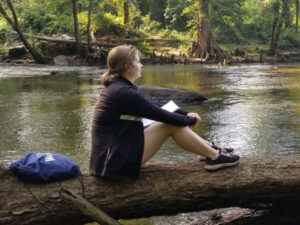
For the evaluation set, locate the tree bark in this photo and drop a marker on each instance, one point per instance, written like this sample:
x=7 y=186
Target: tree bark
x=297 y=14
x=15 y=24
x=76 y=28
x=205 y=46
x=89 y=31
x=161 y=189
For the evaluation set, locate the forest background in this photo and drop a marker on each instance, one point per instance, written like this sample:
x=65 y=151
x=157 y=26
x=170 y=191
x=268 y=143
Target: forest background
x=255 y=26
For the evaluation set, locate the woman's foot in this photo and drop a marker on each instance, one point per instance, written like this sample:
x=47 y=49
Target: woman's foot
x=217 y=147
x=221 y=162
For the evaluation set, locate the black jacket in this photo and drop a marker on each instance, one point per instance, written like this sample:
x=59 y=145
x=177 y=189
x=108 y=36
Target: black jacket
x=117 y=145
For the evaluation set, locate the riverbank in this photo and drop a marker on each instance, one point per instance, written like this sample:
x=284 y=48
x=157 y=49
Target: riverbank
x=66 y=55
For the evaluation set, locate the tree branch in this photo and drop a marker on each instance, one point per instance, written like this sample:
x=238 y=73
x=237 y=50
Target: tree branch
x=12 y=9
x=9 y=20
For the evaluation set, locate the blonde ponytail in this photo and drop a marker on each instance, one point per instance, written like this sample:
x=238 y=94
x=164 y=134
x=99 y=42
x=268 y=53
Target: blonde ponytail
x=106 y=78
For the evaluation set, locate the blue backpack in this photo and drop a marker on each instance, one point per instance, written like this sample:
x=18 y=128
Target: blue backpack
x=44 y=167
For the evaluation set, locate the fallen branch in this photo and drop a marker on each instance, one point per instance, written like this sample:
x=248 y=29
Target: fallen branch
x=88 y=209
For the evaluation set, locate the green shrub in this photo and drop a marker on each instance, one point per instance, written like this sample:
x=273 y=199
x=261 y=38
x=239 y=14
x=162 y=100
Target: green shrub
x=3 y=35
x=106 y=23
x=289 y=40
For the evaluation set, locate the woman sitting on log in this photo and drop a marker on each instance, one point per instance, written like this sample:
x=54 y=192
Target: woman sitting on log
x=121 y=146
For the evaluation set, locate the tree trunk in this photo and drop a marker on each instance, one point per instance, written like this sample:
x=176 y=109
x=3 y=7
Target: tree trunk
x=297 y=14
x=89 y=32
x=76 y=28
x=205 y=46
x=274 y=47
x=276 y=7
x=287 y=13
x=161 y=189
x=15 y=24
x=277 y=33
x=126 y=16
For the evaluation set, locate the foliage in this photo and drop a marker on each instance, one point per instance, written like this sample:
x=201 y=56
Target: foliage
x=175 y=16
x=289 y=40
x=107 y=23
x=45 y=17
x=233 y=21
x=3 y=31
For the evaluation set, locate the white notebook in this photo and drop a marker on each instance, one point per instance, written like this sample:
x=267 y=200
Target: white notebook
x=169 y=106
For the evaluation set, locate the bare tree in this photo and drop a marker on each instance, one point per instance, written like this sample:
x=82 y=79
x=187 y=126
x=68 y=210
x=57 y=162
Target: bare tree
x=15 y=24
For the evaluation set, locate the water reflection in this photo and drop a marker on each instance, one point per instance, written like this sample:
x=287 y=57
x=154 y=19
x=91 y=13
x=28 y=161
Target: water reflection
x=253 y=108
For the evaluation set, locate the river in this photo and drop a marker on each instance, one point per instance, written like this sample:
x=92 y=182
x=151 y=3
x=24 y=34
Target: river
x=253 y=108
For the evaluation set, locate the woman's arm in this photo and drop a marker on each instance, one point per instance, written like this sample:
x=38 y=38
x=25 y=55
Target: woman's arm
x=129 y=101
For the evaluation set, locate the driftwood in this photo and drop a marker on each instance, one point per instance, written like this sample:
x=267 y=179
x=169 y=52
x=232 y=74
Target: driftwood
x=161 y=189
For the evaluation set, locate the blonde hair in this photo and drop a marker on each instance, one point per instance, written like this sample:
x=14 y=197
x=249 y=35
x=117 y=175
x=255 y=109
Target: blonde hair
x=117 y=59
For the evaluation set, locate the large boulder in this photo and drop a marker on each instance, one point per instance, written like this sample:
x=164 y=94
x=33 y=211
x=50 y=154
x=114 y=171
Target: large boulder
x=163 y=95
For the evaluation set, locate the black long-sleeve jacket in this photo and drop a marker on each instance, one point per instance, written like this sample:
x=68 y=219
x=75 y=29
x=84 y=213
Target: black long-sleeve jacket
x=121 y=97
x=117 y=145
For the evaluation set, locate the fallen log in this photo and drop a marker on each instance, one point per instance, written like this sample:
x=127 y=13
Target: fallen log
x=161 y=189
x=100 y=42
x=72 y=41
x=134 y=40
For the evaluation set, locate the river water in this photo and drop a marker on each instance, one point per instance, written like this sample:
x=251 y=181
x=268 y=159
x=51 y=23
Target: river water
x=253 y=108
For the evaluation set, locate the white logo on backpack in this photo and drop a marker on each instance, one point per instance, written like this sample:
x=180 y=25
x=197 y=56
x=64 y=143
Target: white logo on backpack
x=48 y=156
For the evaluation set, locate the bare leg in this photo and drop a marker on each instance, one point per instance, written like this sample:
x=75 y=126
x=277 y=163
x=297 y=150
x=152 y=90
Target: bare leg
x=157 y=133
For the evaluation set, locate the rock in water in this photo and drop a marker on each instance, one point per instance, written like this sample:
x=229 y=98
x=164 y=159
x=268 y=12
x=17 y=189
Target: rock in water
x=60 y=60
x=163 y=95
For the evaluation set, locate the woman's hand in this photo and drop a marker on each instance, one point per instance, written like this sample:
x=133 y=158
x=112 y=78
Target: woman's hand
x=196 y=116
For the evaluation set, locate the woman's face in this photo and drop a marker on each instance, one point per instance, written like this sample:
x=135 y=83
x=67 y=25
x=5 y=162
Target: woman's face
x=136 y=68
